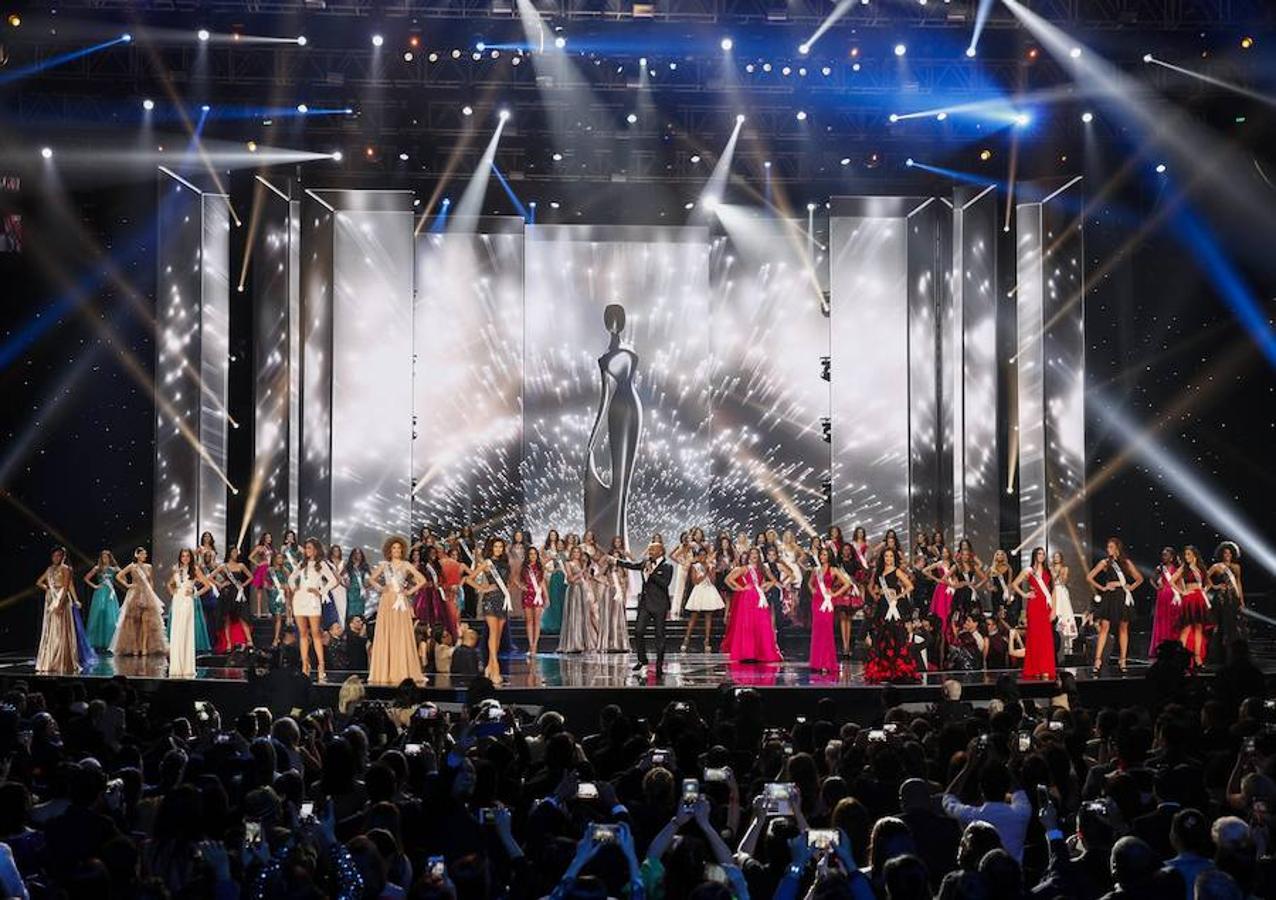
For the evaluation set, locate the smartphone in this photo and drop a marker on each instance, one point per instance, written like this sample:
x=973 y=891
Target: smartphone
x=779 y=798
x=252 y=832
x=715 y=873
x=307 y=811
x=659 y=757
x=587 y=790
x=1025 y=741
x=801 y=720
x=413 y=749
x=823 y=838
x=1043 y=796
x=877 y=735
x=1055 y=726
x=427 y=711
x=690 y=791
x=438 y=866
x=486 y=815
x=603 y=834
x=723 y=774
x=202 y=708
x=890 y=728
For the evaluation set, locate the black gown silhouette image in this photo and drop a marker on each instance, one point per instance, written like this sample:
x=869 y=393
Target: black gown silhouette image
x=614 y=437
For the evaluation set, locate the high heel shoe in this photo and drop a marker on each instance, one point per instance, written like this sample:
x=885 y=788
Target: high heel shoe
x=686 y=646
x=708 y=648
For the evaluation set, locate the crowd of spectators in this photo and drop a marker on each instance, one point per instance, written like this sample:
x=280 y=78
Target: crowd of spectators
x=102 y=795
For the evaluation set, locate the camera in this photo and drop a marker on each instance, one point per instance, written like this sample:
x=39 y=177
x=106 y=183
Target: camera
x=604 y=834
x=412 y=749
x=1055 y=726
x=587 y=790
x=823 y=839
x=877 y=736
x=203 y=710
x=723 y=774
x=252 y=832
x=1025 y=741
x=690 y=791
x=779 y=798
x=307 y=811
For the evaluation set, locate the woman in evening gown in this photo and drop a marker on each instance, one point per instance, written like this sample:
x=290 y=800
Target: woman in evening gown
x=535 y=597
x=941 y=599
x=208 y=559
x=1228 y=599
x=552 y=556
x=1165 y=618
x=1033 y=585
x=58 y=652
x=703 y=601
x=1190 y=581
x=827 y=583
x=357 y=572
x=335 y=604
x=611 y=589
x=890 y=655
x=1065 y=617
x=394 y=653
x=681 y=557
x=104 y=605
x=1000 y=577
x=140 y=631
x=1114 y=600
x=185 y=585
x=259 y=560
x=751 y=637
x=233 y=579
x=579 y=630
x=850 y=604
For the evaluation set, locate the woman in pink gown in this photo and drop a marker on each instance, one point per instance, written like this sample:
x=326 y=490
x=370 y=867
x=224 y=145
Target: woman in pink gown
x=941 y=600
x=1165 y=618
x=751 y=636
x=1033 y=584
x=828 y=584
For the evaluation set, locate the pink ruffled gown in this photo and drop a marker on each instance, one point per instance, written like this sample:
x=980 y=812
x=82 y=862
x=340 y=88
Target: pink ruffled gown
x=751 y=636
x=823 y=611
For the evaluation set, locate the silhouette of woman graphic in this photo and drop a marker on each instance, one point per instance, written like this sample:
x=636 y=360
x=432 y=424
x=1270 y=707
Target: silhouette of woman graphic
x=618 y=425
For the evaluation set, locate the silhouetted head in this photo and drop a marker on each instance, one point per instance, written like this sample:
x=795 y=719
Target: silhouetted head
x=614 y=318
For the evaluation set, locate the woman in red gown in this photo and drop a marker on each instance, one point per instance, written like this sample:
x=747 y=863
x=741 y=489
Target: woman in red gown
x=751 y=636
x=1194 y=612
x=1165 y=619
x=828 y=584
x=1038 y=659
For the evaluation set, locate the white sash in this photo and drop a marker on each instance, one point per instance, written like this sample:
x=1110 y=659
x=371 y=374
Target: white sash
x=1005 y=588
x=1231 y=576
x=56 y=594
x=536 y=589
x=500 y=583
x=826 y=600
x=1041 y=585
x=1169 y=583
x=1120 y=573
x=753 y=582
x=392 y=578
x=892 y=602
x=1200 y=586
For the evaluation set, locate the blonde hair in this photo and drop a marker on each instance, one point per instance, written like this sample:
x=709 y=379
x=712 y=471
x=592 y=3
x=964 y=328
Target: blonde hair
x=352 y=692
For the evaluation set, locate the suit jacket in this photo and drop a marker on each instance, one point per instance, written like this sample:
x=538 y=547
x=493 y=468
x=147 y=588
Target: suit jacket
x=655 y=587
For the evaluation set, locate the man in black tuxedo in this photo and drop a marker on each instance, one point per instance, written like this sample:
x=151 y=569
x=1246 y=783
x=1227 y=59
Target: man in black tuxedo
x=653 y=602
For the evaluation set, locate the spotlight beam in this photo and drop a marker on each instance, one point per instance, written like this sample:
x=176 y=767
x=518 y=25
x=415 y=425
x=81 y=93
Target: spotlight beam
x=471 y=204
x=60 y=59
x=1259 y=96
x=714 y=189
x=838 y=11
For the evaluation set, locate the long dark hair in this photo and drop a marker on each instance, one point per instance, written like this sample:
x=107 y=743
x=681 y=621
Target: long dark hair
x=363 y=561
x=320 y=557
x=190 y=566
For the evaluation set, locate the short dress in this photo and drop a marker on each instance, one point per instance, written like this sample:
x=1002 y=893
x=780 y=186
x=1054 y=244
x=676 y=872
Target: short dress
x=704 y=596
x=1194 y=608
x=534 y=595
x=1111 y=605
x=494 y=602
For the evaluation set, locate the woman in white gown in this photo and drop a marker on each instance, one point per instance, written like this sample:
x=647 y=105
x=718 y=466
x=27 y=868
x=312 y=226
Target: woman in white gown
x=185 y=585
x=704 y=599
x=1065 y=618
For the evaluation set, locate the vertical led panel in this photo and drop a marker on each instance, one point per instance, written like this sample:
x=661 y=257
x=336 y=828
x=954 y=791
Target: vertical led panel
x=357 y=371
x=770 y=400
x=273 y=501
x=970 y=387
x=468 y=383
x=1050 y=366
x=886 y=270
x=192 y=355
x=660 y=276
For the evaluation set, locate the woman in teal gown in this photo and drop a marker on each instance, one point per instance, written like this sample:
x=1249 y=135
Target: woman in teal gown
x=552 y=618
x=104 y=605
x=356 y=572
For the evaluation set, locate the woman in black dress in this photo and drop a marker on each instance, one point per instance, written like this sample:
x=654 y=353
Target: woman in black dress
x=890 y=655
x=1229 y=598
x=1114 y=579
x=967 y=579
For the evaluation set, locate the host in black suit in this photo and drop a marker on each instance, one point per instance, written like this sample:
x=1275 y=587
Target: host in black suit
x=653 y=602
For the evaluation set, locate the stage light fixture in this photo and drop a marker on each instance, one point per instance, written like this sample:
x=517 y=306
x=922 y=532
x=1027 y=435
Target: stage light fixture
x=909 y=162
x=47 y=152
x=476 y=56
x=1022 y=119
x=642 y=62
x=148 y=104
x=414 y=41
x=970 y=52
x=369 y=152
x=205 y=108
x=801 y=71
x=749 y=68
x=337 y=156
x=1087 y=117
x=810 y=207
x=467 y=110
x=689 y=205
x=403 y=157
x=855 y=67
x=302 y=108
x=503 y=115
x=632 y=118
x=727 y=43
x=894 y=117
x=252 y=146
x=560 y=42
x=480 y=46
x=126 y=38
x=407 y=56
x=301 y=40
x=1075 y=52
x=554 y=204
x=15 y=20
x=826 y=71
x=695 y=158
x=203 y=35
x=495 y=54
x=557 y=157
x=855 y=51
x=1247 y=42
x=673 y=67
x=846 y=160
x=1147 y=57
x=900 y=49
x=804 y=49
x=377 y=40
x=985 y=155
x=516 y=60
x=433 y=57
x=766 y=164
x=941 y=116
x=1160 y=168
x=1033 y=52
x=739 y=119
x=786 y=71
x=801 y=115
x=766 y=67
x=456 y=54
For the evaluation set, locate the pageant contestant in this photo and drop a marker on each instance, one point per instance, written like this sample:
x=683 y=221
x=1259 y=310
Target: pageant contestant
x=278 y=597
x=337 y=601
x=260 y=559
x=203 y=643
x=104 y=606
x=141 y=628
x=681 y=556
x=1114 y=601
x=58 y=652
x=207 y=559
x=185 y=585
x=535 y=597
x=1189 y=582
x=552 y=556
x=1165 y=618
x=828 y=583
x=579 y=630
x=232 y=578
x=966 y=580
x=1033 y=585
x=517 y=555
x=890 y=656
x=394 y=656
x=1229 y=597
x=1065 y=616
x=999 y=641
x=941 y=599
x=497 y=611
x=750 y=635
x=793 y=556
x=291 y=551
x=780 y=575
x=310 y=582
x=703 y=601
x=1000 y=577
x=612 y=591
x=356 y=575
